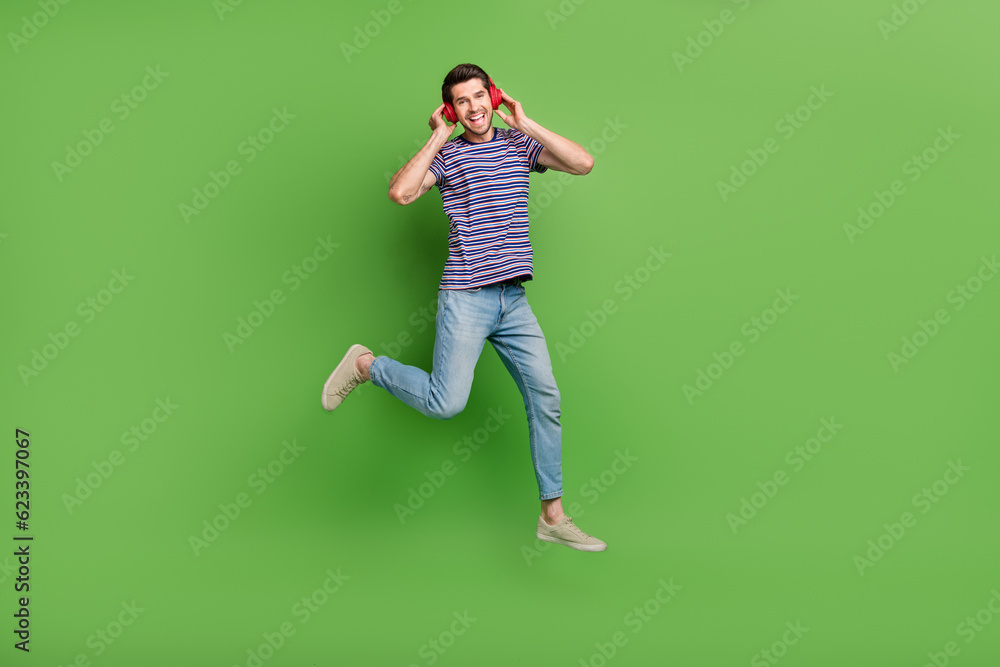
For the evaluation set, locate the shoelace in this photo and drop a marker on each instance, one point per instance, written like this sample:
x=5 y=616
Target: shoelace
x=572 y=526
x=568 y=523
x=347 y=388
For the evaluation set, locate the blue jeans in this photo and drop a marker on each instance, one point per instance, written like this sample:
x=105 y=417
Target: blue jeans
x=466 y=319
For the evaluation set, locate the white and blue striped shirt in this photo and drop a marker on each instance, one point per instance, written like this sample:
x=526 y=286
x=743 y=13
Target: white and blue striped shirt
x=484 y=192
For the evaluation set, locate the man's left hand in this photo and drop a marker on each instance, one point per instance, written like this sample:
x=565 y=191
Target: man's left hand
x=516 y=119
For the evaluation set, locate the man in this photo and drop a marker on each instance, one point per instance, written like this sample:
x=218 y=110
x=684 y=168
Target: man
x=482 y=175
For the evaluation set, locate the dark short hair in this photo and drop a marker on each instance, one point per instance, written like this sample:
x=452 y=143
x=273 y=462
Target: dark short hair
x=461 y=74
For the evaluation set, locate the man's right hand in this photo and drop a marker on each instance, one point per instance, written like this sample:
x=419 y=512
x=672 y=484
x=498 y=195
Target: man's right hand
x=438 y=123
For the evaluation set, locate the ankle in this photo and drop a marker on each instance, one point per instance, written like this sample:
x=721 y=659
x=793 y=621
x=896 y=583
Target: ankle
x=552 y=520
x=363 y=363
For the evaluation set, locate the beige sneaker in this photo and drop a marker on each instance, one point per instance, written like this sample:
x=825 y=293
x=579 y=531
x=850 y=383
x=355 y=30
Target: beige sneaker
x=343 y=379
x=565 y=532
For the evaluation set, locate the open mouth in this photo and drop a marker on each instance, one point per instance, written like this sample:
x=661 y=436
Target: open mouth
x=478 y=119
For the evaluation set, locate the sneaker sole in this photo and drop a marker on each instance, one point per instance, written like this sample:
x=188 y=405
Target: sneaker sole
x=572 y=545
x=329 y=380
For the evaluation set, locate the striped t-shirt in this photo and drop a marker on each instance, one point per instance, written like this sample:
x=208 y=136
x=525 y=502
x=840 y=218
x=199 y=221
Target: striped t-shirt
x=484 y=192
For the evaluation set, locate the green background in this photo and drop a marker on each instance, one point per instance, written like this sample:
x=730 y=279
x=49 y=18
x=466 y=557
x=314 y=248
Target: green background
x=471 y=546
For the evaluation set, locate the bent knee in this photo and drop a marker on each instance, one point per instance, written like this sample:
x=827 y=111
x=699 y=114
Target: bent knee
x=446 y=410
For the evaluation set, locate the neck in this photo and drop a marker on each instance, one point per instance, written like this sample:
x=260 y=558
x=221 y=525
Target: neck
x=479 y=139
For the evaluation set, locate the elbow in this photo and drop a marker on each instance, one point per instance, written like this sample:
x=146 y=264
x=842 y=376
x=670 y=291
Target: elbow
x=586 y=165
x=395 y=196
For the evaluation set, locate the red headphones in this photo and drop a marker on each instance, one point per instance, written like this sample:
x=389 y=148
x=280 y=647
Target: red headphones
x=496 y=97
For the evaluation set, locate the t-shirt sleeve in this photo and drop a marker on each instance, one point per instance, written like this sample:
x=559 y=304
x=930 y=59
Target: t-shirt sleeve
x=532 y=149
x=437 y=168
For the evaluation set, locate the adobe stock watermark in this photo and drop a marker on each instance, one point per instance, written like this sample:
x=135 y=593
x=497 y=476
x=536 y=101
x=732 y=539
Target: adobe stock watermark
x=7 y=569
x=564 y=10
x=786 y=126
x=923 y=500
x=899 y=17
x=554 y=188
x=122 y=107
x=915 y=167
x=252 y=146
x=435 y=647
x=779 y=648
x=223 y=7
x=629 y=284
x=591 y=490
x=295 y=276
x=301 y=611
x=88 y=310
x=101 y=639
x=259 y=481
x=752 y=329
x=797 y=458
x=926 y=330
x=714 y=27
x=363 y=35
x=30 y=25
x=420 y=319
x=635 y=620
x=968 y=629
x=403 y=159
x=131 y=440
x=435 y=479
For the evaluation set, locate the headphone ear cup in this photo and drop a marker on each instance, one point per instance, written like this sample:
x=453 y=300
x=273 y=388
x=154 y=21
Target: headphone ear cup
x=496 y=95
x=449 y=112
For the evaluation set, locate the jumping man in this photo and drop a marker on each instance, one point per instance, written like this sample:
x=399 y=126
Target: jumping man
x=482 y=175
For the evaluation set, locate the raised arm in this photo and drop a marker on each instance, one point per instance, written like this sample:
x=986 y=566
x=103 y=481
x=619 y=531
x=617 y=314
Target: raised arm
x=558 y=152
x=415 y=177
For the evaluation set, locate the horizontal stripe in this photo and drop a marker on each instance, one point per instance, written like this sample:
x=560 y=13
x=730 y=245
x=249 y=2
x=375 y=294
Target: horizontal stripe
x=484 y=193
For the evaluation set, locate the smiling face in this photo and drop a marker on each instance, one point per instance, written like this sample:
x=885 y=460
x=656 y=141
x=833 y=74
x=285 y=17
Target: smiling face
x=473 y=108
